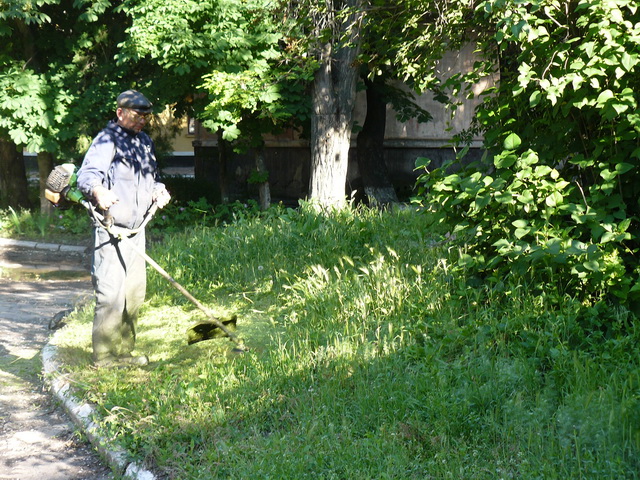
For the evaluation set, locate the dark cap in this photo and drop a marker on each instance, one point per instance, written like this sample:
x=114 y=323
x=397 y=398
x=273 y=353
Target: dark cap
x=135 y=101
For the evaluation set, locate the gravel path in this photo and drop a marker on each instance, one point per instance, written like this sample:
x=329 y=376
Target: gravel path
x=37 y=440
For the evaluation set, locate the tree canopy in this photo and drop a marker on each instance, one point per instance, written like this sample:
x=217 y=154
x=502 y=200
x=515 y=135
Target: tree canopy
x=243 y=68
x=225 y=57
x=58 y=77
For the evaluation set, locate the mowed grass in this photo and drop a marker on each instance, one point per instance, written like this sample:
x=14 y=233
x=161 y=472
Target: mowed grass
x=368 y=359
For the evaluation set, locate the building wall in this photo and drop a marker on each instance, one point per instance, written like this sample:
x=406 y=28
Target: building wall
x=183 y=143
x=439 y=132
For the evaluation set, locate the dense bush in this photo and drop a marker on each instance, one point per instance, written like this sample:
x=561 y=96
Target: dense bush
x=556 y=201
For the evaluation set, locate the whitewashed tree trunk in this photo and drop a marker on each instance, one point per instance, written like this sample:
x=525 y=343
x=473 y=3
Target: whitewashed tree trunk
x=334 y=93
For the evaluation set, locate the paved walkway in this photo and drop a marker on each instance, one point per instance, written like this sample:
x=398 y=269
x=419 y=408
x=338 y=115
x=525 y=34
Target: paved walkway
x=37 y=439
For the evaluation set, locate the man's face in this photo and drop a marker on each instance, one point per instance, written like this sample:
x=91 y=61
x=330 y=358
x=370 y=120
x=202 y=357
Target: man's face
x=131 y=119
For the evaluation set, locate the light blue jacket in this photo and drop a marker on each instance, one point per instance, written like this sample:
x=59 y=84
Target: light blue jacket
x=125 y=162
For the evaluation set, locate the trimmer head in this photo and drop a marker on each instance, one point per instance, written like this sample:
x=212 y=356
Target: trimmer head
x=207 y=330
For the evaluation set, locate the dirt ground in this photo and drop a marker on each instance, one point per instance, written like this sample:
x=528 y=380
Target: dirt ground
x=37 y=440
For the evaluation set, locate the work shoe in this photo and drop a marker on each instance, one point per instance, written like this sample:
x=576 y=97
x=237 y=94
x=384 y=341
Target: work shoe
x=122 y=361
x=138 y=361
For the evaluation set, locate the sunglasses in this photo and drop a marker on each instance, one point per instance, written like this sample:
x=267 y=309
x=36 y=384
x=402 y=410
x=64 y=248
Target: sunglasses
x=136 y=116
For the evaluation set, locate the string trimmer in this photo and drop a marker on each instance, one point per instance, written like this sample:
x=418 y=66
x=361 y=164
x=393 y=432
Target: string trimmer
x=61 y=188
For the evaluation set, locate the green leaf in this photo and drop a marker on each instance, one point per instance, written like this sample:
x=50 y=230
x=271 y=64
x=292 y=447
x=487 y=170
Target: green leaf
x=624 y=224
x=521 y=223
x=502 y=243
x=504 y=197
x=512 y=142
x=623 y=167
x=604 y=97
x=19 y=136
x=534 y=99
x=628 y=61
x=592 y=266
x=526 y=197
x=481 y=201
x=231 y=132
x=608 y=175
x=542 y=171
x=422 y=163
x=607 y=237
x=588 y=48
x=554 y=246
x=528 y=159
x=453 y=179
x=554 y=199
x=505 y=161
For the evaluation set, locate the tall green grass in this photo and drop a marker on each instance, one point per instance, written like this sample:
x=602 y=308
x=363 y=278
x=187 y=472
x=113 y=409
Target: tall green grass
x=368 y=360
x=67 y=226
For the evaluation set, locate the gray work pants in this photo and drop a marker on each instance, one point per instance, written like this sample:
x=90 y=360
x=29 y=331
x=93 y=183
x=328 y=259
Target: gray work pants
x=119 y=279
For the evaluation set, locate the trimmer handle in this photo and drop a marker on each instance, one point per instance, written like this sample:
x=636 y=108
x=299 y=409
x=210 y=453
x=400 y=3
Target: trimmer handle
x=106 y=219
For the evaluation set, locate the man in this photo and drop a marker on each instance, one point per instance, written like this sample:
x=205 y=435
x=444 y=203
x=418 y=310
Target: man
x=119 y=176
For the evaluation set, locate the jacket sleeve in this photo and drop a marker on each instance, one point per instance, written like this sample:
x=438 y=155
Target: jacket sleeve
x=95 y=166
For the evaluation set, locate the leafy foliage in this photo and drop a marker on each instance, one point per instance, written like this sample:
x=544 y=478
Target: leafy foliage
x=557 y=198
x=57 y=78
x=419 y=32
x=227 y=56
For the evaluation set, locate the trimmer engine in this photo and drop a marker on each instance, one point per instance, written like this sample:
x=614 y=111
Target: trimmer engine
x=61 y=185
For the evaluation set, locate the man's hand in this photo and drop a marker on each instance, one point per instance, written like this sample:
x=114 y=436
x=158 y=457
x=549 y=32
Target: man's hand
x=104 y=197
x=161 y=197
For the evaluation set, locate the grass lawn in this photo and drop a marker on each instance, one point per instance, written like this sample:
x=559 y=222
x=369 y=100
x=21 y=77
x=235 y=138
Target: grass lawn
x=368 y=359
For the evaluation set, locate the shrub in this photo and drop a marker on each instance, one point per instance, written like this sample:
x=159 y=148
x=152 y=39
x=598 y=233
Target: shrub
x=556 y=202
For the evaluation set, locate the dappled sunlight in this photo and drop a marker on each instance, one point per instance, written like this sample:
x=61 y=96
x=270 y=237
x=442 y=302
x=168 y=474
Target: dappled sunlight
x=18 y=369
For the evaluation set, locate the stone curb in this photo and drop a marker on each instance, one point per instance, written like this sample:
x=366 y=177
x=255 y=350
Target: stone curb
x=9 y=242
x=82 y=415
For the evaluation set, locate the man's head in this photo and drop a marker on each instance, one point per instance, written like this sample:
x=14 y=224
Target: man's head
x=133 y=109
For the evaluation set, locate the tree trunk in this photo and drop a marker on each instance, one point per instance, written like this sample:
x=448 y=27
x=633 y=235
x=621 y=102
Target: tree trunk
x=263 y=187
x=14 y=191
x=334 y=92
x=373 y=170
x=45 y=165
